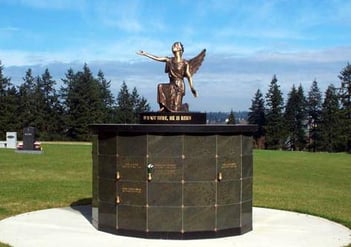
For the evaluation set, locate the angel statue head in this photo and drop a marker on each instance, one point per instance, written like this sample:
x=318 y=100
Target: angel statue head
x=177 y=46
x=170 y=95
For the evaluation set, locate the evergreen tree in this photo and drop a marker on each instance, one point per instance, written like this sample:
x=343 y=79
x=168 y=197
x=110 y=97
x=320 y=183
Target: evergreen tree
x=83 y=104
x=107 y=98
x=345 y=96
x=27 y=101
x=8 y=105
x=274 y=116
x=314 y=108
x=139 y=104
x=295 y=116
x=231 y=118
x=129 y=105
x=257 y=116
x=331 y=122
x=48 y=107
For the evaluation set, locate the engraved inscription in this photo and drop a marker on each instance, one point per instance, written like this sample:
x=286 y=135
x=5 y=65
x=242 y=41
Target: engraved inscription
x=128 y=165
x=131 y=190
x=167 y=118
x=231 y=165
x=165 y=169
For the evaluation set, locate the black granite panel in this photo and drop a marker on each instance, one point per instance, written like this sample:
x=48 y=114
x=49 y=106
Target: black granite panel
x=107 y=190
x=132 y=145
x=107 y=167
x=246 y=217
x=166 y=168
x=107 y=214
x=132 y=193
x=131 y=217
x=199 y=193
x=164 y=194
x=228 y=192
x=132 y=167
x=247 y=169
x=229 y=146
x=247 y=144
x=199 y=219
x=228 y=216
x=229 y=167
x=165 y=146
x=95 y=183
x=95 y=143
x=247 y=189
x=107 y=144
x=199 y=168
x=196 y=146
x=165 y=219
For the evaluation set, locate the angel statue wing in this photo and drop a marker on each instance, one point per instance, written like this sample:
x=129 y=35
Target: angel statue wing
x=196 y=62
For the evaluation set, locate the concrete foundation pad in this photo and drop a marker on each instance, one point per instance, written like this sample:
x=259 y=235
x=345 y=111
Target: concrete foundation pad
x=72 y=227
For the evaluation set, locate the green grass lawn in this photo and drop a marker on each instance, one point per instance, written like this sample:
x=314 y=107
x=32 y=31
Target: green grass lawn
x=313 y=183
x=57 y=178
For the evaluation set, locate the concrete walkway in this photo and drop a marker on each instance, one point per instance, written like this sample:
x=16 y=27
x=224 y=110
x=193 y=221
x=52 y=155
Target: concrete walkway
x=72 y=227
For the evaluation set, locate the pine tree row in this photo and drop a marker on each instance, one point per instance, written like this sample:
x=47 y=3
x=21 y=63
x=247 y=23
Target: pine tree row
x=312 y=122
x=65 y=113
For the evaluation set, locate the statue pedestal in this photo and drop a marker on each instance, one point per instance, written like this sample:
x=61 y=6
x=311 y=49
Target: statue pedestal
x=172 y=181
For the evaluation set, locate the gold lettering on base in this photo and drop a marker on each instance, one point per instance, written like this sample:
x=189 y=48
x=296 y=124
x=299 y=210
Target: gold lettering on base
x=166 y=118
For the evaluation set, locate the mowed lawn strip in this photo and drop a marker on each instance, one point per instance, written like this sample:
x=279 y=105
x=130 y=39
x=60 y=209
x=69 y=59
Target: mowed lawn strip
x=58 y=177
x=313 y=183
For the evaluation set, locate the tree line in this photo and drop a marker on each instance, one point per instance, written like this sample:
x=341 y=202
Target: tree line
x=313 y=122
x=65 y=113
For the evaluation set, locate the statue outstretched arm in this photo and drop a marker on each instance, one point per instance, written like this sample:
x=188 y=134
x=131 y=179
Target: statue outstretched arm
x=156 y=58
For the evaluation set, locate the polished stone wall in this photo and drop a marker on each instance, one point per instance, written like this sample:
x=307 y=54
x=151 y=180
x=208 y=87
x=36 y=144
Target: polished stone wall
x=200 y=184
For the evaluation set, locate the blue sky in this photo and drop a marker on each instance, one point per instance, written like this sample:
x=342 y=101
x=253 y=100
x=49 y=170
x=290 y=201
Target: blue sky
x=247 y=43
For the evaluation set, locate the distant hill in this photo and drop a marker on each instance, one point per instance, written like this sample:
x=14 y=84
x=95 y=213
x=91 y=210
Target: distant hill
x=220 y=117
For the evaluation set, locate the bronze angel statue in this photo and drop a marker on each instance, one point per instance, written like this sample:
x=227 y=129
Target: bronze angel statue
x=170 y=95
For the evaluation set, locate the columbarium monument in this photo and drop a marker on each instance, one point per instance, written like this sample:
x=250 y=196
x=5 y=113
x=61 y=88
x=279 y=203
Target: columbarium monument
x=173 y=176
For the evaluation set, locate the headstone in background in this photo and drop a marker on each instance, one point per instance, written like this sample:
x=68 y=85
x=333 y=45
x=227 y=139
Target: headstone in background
x=28 y=138
x=11 y=139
